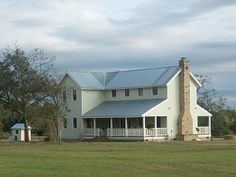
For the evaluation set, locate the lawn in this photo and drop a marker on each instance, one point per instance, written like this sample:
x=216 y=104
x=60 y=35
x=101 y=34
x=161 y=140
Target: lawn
x=138 y=159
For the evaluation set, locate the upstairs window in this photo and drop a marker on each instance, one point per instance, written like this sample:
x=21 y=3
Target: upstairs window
x=113 y=93
x=126 y=92
x=65 y=123
x=74 y=95
x=64 y=95
x=74 y=122
x=140 y=91
x=154 y=91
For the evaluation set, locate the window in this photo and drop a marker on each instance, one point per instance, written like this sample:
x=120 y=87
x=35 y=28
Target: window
x=64 y=95
x=17 y=131
x=154 y=91
x=74 y=95
x=74 y=122
x=140 y=91
x=126 y=92
x=65 y=123
x=203 y=121
x=113 y=92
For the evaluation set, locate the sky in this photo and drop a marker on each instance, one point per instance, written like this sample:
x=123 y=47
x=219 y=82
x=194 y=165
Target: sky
x=108 y=35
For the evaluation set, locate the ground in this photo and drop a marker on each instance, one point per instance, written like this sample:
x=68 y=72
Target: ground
x=121 y=159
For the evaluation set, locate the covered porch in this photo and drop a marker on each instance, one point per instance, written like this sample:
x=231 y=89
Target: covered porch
x=125 y=119
x=126 y=128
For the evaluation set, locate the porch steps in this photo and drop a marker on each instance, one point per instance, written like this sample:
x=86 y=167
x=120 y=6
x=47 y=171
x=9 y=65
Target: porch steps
x=101 y=139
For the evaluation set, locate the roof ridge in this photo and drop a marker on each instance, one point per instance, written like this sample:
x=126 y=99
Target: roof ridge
x=128 y=70
x=163 y=73
x=141 y=69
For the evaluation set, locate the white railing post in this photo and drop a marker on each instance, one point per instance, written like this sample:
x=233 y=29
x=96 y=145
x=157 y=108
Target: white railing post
x=126 y=127
x=144 y=127
x=94 y=127
x=111 y=127
x=209 y=124
x=155 y=125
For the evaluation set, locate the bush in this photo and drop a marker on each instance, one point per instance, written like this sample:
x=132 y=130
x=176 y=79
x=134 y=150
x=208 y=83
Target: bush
x=219 y=126
x=233 y=127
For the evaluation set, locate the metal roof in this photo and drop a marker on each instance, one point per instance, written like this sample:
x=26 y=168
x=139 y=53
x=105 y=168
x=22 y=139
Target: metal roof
x=19 y=126
x=125 y=79
x=89 y=80
x=124 y=108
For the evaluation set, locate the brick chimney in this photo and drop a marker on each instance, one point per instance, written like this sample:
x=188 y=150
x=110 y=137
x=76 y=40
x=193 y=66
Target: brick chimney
x=185 y=122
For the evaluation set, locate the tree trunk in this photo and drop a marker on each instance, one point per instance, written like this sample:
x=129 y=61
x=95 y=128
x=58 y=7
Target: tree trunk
x=26 y=128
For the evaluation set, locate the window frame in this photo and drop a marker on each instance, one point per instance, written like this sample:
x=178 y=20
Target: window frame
x=74 y=123
x=74 y=94
x=65 y=123
x=155 y=91
x=140 y=91
x=64 y=96
x=127 y=92
x=113 y=93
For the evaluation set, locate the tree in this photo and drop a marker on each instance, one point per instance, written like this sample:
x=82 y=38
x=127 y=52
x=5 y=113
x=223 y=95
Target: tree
x=26 y=81
x=207 y=96
x=1 y=117
x=216 y=105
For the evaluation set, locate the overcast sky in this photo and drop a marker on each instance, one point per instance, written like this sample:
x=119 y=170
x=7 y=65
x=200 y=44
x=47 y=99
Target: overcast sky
x=98 y=35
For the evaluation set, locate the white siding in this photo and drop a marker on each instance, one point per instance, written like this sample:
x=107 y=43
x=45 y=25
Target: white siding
x=74 y=108
x=196 y=110
x=169 y=108
x=133 y=94
x=90 y=99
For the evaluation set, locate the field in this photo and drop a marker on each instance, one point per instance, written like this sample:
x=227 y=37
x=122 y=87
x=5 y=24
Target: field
x=122 y=159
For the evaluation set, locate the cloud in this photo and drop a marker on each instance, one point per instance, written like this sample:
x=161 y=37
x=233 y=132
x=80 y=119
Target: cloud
x=107 y=35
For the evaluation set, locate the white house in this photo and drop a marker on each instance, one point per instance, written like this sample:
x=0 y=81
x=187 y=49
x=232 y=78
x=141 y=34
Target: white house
x=18 y=132
x=144 y=104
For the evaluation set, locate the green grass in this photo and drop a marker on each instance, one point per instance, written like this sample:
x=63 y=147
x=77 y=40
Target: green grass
x=138 y=159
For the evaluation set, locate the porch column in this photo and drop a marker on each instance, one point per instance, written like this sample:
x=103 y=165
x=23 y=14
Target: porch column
x=144 y=127
x=155 y=125
x=94 y=127
x=209 y=124
x=111 y=127
x=126 y=127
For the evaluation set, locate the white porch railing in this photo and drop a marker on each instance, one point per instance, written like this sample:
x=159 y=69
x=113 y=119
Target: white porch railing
x=122 y=132
x=159 y=132
x=203 y=130
x=134 y=132
x=116 y=132
x=150 y=131
x=91 y=132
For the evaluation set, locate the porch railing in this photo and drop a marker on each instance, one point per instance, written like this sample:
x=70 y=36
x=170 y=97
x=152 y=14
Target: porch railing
x=116 y=132
x=91 y=132
x=203 y=130
x=134 y=132
x=159 y=132
x=122 y=132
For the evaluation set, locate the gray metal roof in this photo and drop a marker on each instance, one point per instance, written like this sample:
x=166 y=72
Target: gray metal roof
x=89 y=80
x=19 y=126
x=130 y=108
x=125 y=79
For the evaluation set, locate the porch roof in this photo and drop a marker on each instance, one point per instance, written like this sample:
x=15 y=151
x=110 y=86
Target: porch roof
x=124 y=108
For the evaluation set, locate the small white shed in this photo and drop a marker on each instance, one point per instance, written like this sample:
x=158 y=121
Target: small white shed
x=18 y=132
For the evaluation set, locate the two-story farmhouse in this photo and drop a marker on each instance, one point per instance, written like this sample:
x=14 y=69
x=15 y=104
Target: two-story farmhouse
x=144 y=104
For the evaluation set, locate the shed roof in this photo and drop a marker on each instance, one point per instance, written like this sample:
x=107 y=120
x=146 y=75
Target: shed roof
x=130 y=108
x=125 y=79
x=19 y=126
